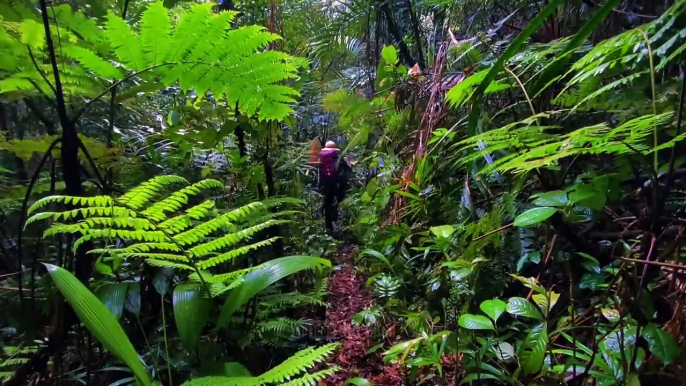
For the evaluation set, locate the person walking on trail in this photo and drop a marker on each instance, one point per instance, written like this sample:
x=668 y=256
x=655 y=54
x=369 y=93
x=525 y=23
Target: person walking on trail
x=332 y=182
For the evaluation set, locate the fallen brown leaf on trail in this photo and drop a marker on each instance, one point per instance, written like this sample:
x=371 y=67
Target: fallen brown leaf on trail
x=348 y=296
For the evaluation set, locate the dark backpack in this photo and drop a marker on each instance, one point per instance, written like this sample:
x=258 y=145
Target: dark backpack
x=329 y=169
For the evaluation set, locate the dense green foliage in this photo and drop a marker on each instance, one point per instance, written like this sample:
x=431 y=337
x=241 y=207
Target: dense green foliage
x=516 y=192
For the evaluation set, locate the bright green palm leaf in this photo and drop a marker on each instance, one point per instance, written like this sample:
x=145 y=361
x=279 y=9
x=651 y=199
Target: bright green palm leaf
x=191 y=310
x=498 y=66
x=98 y=320
x=264 y=276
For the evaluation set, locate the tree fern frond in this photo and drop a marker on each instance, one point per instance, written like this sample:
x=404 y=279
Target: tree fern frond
x=282 y=325
x=125 y=43
x=234 y=253
x=79 y=201
x=155 y=33
x=281 y=374
x=156 y=256
x=299 y=362
x=179 y=198
x=231 y=238
x=168 y=264
x=92 y=62
x=137 y=197
x=180 y=223
x=312 y=379
x=185 y=34
x=292 y=299
x=84 y=27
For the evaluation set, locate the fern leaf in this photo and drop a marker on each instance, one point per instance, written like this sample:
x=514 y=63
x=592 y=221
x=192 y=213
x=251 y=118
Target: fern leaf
x=125 y=43
x=92 y=62
x=232 y=238
x=298 y=363
x=137 y=197
x=214 y=261
x=312 y=379
x=168 y=264
x=155 y=34
x=32 y=34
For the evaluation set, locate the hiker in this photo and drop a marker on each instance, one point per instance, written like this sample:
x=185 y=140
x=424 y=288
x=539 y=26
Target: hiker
x=333 y=182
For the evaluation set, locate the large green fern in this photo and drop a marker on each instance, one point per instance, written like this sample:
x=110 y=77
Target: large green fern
x=151 y=224
x=199 y=51
x=289 y=372
x=529 y=145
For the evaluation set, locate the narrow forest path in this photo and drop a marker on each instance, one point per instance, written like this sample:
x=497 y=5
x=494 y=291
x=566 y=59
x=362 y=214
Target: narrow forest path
x=348 y=295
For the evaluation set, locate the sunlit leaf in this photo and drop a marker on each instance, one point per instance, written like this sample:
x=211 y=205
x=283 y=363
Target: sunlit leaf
x=475 y=322
x=534 y=216
x=493 y=308
x=522 y=307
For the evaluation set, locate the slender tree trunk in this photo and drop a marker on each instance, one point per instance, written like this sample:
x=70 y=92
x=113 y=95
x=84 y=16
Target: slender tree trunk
x=405 y=55
x=417 y=35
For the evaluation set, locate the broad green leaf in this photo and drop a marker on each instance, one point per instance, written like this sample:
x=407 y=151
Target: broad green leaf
x=534 y=216
x=357 y=382
x=459 y=274
x=511 y=51
x=532 y=352
x=529 y=282
x=390 y=55
x=264 y=276
x=444 y=231
x=32 y=34
x=191 y=310
x=475 y=322
x=661 y=344
x=493 y=308
x=98 y=320
x=610 y=314
x=591 y=281
x=113 y=297
x=522 y=307
x=403 y=348
x=378 y=255
x=162 y=280
x=556 y=198
x=504 y=351
x=554 y=70
x=613 y=342
x=590 y=262
x=579 y=214
x=542 y=300
x=133 y=299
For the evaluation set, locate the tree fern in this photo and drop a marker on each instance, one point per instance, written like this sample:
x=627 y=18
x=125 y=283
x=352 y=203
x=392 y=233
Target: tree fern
x=528 y=146
x=147 y=219
x=282 y=374
x=228 y=63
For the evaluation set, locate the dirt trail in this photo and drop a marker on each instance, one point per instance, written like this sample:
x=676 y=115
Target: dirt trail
x=347 y=296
